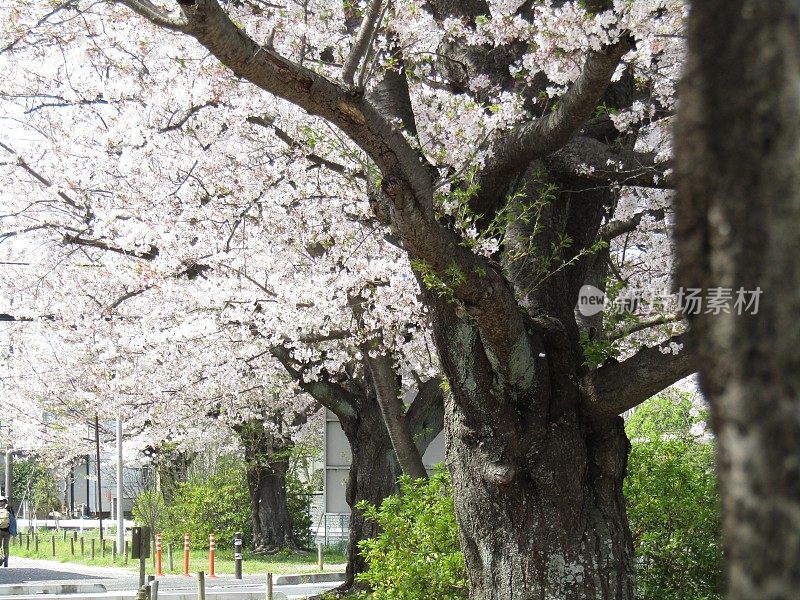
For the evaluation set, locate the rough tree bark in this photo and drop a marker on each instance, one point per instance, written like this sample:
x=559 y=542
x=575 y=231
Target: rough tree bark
x=266 y=455
x=738 y=214
x=373 y=476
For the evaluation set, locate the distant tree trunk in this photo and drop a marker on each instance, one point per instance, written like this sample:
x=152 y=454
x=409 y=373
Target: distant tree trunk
x=374 y=468
x=267 y=461
x=738 y=218
x=172 y=468
x=373 y=475
x=272 y=523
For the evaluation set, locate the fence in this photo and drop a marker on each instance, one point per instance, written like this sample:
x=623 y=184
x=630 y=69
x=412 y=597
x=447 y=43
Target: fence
x=332 y=530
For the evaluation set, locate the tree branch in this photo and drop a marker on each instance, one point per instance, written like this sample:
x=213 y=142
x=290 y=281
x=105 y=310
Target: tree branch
x=644 y=324
x=387 y=388
x=595 y=161
x=366 y=34
x=293 y=143
x=331 y=395
x=619 y=386
x=150 y=253
x=209 y=24
x=150 y=11
x=614 y=229
x=541 y=137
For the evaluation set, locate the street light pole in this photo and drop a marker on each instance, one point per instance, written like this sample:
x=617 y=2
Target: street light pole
x=99 y=482
x=9 y=479
x=120 y=514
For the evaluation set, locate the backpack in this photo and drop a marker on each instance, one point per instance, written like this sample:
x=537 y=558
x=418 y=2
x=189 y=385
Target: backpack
x=5 y=518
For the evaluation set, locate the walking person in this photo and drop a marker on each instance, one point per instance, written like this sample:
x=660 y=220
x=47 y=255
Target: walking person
x=8 y=527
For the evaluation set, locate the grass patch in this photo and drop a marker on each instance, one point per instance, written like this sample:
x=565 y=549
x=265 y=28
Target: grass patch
x=24 y=545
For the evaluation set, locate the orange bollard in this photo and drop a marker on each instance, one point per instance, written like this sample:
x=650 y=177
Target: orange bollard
x=159 y=572
x=186 y=555
x=212 y=546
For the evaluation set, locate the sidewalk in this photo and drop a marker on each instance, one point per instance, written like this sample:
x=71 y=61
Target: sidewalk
x=33 y=578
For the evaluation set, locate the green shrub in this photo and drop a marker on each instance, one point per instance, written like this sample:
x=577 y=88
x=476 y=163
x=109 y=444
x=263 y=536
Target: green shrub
x=673 y=504
x=216 y=504
x=417 y=555
x=298 y=501
x=149 y=509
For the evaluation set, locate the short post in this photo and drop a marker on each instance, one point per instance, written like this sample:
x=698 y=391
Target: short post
x=65 y=535
x=201 y=586
x=269 y=586
x=103 y=548
x=36 y=542
x=83 y=553
x=143 y=593
x=186 y=555
x=212 y=546
x=154 y=589
x=169 y=557
x=159 y=572
x=140 y=543
x=237 y=554
x=91 y=551
x=320 y=564
x=114 y=551
x=127 y=549
x=27 y=541
x=72 y=546
x=53 y=543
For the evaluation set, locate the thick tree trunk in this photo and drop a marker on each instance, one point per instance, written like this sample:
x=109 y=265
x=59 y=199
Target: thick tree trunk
x=738 y=217
x=272 y=523
x=559 y=531
x=267 y=462
x=373 y=476
x=538 y=491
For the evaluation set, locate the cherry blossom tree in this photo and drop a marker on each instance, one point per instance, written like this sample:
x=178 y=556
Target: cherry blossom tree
x=278 y=317
x=510 y=152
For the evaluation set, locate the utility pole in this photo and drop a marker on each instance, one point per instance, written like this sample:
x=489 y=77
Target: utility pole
x=99 y=484
x=9 y=479
x=120 y=513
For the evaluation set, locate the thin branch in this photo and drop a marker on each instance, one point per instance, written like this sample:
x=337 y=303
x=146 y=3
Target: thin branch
x=593 y=160
x=643 y=324
x=363 y=40
x=614 y=229
x=170 y=126
x=38 y=176
x=129 y=295
x=152 y=12
x=293 y=143
x=150 y=253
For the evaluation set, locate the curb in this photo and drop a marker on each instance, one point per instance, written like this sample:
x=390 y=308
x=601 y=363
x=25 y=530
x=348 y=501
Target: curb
x=166 y=595
x=309 y=578
x=30 y=589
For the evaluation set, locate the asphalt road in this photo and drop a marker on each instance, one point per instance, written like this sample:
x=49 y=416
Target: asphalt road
x=30 y=572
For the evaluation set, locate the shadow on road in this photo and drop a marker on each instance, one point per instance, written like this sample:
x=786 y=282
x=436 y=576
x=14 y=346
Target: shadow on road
x=26 y=575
